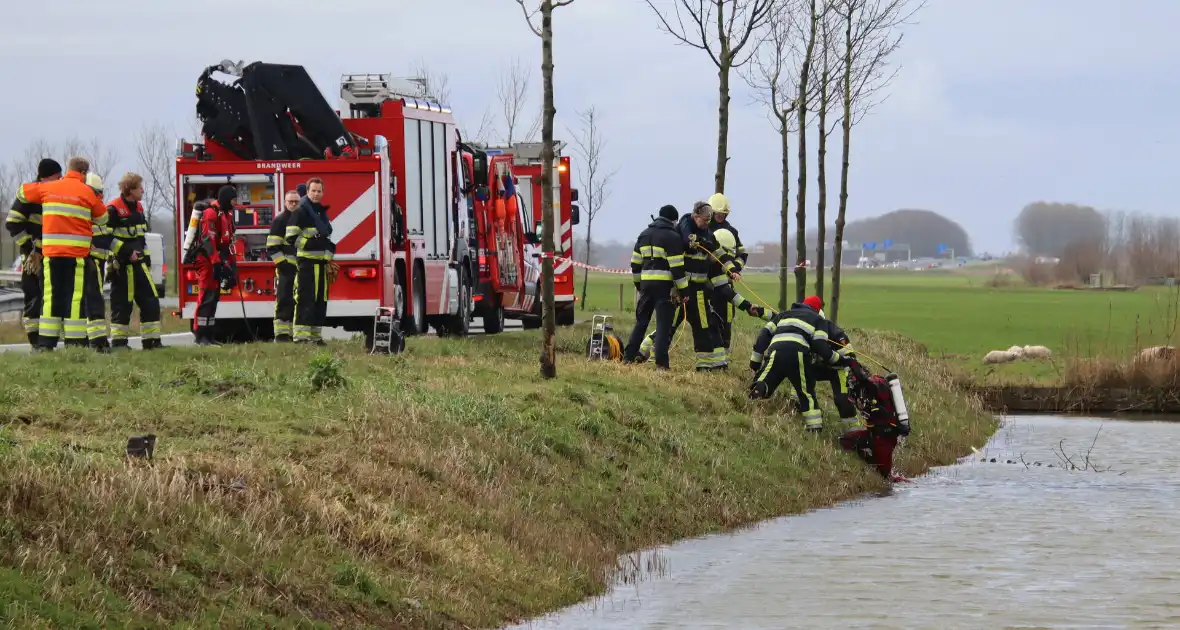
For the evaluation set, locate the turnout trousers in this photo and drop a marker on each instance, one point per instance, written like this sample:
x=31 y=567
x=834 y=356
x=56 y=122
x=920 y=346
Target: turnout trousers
x=652 y=303
x=706 y=332
x=838 y=377
x=790 y=361
x=285 y=274
x=32 y=286
x=208 y=296
x=311 y=299
x=726 y=313
x=94 y=307
x=131 y=284
x=71 y=287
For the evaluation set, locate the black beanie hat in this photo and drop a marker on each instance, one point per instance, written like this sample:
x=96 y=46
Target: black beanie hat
x=669 y=212
x=302 y=190
x=225 y=197
x=48 y=167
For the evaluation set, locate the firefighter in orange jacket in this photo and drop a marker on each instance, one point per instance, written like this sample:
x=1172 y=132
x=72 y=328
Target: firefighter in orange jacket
x=69 y=210
x=213 y=263
x=130 y=268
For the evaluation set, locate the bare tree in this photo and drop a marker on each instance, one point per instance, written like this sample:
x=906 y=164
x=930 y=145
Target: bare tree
x=10 y=179
x=774 y=76
x=153 y=150
x=436 y=85
x=103 y=157
x=723 y=29
x=512 y=91
x=549 y=110
x=814 y=16
x=828 y=58
x=870 y=38
x=589 y=145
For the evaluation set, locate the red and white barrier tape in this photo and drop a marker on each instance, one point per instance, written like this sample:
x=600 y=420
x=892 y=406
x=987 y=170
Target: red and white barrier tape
x=560 y=259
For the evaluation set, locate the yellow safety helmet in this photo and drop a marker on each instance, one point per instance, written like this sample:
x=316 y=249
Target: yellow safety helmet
x=720 y=203
x=725 y=239
x=94 y=181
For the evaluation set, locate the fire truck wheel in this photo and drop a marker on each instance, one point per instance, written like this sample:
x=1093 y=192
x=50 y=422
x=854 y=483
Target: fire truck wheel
x=493 y=319
x=459 y=325
x=418 y=325
x=565 y=317
x=530 y=323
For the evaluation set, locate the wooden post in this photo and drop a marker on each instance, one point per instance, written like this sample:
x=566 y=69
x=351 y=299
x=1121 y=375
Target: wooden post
x=620 y=297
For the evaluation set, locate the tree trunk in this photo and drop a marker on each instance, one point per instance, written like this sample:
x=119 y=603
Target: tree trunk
x=548 y=316
x=801 y=202
x=846 y=128
x=586 y=272
x=784 y=272
x=722 y=125
x=821 y=181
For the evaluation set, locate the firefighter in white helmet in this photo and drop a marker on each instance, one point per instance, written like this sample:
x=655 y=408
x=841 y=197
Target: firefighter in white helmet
x=93 y=304
x=728 y=237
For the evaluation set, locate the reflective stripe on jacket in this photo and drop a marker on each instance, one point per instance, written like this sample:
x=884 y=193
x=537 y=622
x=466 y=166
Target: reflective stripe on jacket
x=69 y=211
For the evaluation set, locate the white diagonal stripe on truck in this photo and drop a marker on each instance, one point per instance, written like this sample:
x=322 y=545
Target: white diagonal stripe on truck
x=361 y=208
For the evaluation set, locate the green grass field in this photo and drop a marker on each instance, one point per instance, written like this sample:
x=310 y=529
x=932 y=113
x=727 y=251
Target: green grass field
x=959 y=317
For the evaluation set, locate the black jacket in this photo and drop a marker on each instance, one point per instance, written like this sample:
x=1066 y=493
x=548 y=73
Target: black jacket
x=799 y=327
x=24 y=225
x=842 y=345
x=127 y=226
x=277 y=246
x=312 y=236
x=741 y=256
x=700 y=250
x=657 y=262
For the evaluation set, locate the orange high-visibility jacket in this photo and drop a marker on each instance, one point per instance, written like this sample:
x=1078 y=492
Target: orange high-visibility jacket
x=69 y=211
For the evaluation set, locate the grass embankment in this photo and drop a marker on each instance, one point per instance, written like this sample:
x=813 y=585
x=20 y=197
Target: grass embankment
x=960 y=316
x=445 y=488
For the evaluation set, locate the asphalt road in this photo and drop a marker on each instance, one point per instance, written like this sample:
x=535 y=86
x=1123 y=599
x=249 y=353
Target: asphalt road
x=186 y=339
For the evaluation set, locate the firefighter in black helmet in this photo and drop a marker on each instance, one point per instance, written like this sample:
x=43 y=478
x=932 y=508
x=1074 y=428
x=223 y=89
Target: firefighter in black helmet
x=657 y=267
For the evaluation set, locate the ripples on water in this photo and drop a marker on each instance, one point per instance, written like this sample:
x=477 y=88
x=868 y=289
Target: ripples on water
x=976 y=545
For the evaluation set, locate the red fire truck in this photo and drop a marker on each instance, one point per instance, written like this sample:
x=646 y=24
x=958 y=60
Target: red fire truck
x=394 y=184
x=506 y=213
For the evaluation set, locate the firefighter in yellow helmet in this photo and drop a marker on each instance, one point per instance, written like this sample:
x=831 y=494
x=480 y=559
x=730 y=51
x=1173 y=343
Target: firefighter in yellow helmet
x=720 y=221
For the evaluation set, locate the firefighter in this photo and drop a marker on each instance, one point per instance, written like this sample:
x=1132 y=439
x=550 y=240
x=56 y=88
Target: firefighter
x=213 y=263
x=657 y=267
x=94 y=306
x=700 y=251
x=130 y=268
x=286 y=266
x=783 y=351
x=838 y=376
x=724 y=294
x=720 y=221
x=69 y=210
x=726 y=301
x=24 y=225
x=310 y=230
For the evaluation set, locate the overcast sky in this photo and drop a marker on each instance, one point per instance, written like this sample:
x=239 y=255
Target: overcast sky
x=998 y=102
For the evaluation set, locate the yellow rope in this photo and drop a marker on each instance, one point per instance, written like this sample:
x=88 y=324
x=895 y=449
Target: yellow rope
x=764 y=303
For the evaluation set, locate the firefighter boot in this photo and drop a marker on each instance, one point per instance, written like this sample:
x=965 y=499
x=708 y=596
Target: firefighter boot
x=152 y=344
x=33 y=339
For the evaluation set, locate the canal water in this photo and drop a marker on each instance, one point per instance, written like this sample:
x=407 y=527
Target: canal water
x=1089 y=538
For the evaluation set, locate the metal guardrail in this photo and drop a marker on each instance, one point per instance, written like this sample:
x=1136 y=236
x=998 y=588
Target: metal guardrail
x=10 y=276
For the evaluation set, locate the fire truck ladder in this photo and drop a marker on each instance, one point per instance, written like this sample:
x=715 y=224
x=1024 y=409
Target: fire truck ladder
x=387 y=334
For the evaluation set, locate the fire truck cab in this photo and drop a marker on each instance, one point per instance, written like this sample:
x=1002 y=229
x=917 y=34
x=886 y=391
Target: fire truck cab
x=394 y=184
x=506 y=212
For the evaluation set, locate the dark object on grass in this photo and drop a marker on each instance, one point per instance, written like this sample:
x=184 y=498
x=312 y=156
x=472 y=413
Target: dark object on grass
x=143 y=446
